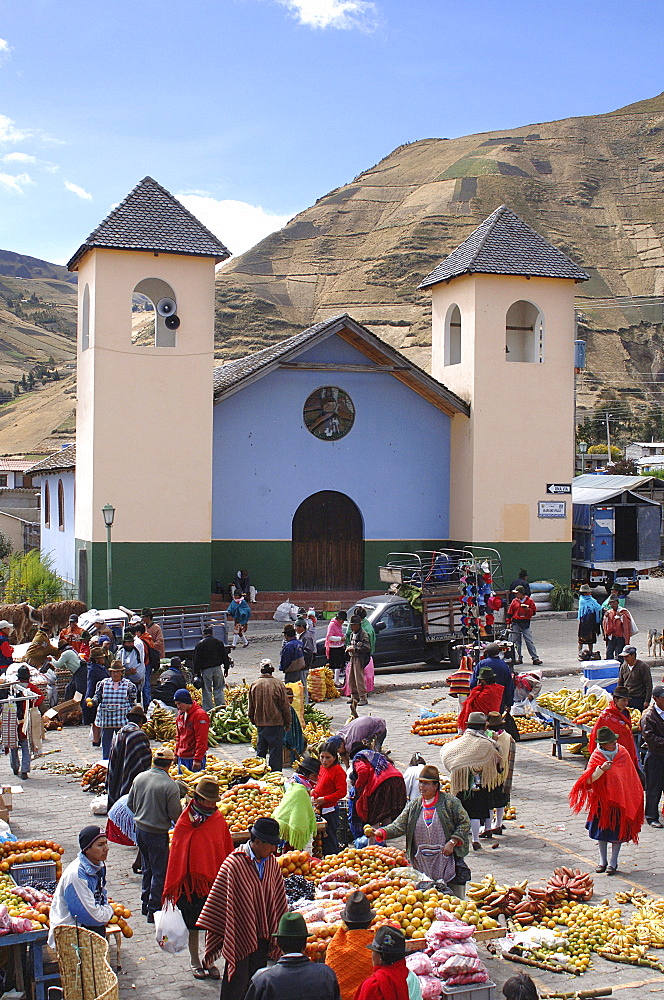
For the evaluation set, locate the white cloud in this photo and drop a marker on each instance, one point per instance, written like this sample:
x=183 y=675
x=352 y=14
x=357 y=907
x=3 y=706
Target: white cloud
x=236 y=223
x=78 y=191
x=16 y=182
x=344 y=14
x=9 y=132
x=19 y=158
x=5 y=48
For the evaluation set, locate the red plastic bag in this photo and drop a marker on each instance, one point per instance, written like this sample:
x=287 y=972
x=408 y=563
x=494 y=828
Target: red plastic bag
x=460 y=965
x=419 y=963
x=431 y=987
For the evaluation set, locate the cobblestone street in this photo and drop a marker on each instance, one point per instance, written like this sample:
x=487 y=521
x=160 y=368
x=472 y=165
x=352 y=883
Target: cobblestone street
x=544 y=835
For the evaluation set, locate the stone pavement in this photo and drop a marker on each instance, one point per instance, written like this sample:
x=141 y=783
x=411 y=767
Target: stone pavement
x=544 y=835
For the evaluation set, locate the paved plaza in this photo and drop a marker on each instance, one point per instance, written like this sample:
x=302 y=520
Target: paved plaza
x=544 y=835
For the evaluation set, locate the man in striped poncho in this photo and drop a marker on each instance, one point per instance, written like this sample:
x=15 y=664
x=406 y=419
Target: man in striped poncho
x=243 y=909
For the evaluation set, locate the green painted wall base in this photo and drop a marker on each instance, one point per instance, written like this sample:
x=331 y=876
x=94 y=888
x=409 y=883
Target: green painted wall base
x=156 y=574
x=543 y=560
x=269 y=562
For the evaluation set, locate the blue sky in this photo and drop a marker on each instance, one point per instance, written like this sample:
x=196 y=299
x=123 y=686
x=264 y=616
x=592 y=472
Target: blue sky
x=250 y=110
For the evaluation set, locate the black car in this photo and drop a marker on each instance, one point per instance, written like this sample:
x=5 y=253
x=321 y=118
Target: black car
x=399 y=633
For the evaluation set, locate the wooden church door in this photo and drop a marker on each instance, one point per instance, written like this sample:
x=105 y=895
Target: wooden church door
x=328 y=544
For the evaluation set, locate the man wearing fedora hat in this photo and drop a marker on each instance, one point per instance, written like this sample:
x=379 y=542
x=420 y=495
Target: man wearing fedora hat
x=243 y=909
x=200 y=845
x=390 y=975
x=294 y=975
x=154 y=799
x=635 y=675
x=346 y=953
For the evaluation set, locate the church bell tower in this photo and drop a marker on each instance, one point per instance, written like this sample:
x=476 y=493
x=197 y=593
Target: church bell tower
x=503 y=339
x=144 y=406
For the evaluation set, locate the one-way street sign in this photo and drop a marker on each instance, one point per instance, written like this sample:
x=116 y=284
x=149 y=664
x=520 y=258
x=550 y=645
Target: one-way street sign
x=559 y=488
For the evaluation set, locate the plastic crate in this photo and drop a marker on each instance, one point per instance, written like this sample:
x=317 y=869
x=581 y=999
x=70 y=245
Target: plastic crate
x=42 y=871
x=477 y=991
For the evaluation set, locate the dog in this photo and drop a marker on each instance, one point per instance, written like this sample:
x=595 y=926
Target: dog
x=655 y=641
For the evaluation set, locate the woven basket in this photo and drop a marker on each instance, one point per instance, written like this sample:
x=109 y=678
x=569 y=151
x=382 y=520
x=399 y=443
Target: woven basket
x=84 y=968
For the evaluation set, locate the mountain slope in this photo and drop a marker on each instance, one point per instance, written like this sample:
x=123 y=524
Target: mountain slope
x=593 y=186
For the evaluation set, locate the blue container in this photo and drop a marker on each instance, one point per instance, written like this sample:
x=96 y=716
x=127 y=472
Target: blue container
x=604 y=673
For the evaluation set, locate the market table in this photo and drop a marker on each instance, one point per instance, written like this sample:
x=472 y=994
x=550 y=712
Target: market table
x=560 y=738
x=34 y=941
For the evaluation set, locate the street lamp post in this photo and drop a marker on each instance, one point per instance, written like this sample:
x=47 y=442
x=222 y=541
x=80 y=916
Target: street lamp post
x=583 y=448
x=108 y=510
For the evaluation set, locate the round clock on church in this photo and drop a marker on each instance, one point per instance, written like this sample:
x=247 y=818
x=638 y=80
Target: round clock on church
x=329 y=413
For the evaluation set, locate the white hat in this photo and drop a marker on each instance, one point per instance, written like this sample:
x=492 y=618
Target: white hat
x=5 y=624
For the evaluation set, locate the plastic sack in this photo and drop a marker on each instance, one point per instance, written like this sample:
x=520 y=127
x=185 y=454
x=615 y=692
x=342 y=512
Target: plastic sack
x=476 y=977
x=170 y=930
x=340 y=875
x=316 y=684
x=286 y=612
x=442 y=931
x=419 y=963
x=369 y=675
x=297 y=687
x=20 y=925
x=460 y=965
x=5 y=832
x=452 y=948
x=99 y=805
x=431 y=987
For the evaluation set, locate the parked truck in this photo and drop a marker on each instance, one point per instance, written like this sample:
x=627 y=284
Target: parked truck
x=420 y=618
x=616 y=531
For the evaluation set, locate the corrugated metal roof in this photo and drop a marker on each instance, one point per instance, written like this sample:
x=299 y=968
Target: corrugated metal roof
x=505 y=244
x=589 y=489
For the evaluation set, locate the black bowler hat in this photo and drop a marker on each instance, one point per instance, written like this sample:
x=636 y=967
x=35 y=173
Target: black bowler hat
x=389 y=942
x=266 y=829
x=358 y=909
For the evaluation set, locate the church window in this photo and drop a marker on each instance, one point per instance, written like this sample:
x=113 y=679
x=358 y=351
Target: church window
x=61 y=506
x=154 y=319
x=524 y=333
x=47 y=505
x=85 y=319
x=452 y=353
x=329 y=413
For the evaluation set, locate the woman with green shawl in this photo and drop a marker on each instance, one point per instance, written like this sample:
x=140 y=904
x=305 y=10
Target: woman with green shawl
x=295 y=812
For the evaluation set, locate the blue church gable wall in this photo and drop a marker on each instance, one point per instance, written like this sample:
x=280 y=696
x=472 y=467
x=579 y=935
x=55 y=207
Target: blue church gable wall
x=394 y=462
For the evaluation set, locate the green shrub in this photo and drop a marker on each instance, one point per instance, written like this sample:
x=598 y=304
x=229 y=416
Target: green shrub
x=562 y=597
x=31 y=578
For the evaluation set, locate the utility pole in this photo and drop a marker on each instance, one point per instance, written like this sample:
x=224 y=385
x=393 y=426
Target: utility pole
x=608 y=438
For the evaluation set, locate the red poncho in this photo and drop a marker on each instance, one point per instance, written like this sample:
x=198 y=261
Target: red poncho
x=621 y=725
x=196 y=855
x=242 y=909
x=483 y=698
x=388 y=982
x=615 y=799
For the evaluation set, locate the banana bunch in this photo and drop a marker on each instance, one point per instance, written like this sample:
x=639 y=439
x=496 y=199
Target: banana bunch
x=571 y=704
x=161 y=725
x=195 y=693
x=508 y=899
x=648 y=923
x=274 y=778
x=315 y=734
x=570 y=883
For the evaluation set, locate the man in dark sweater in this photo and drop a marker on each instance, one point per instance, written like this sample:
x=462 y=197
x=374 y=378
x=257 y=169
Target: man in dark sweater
x=635 y=675
x=521 y=581
x=652 y=728
x=294 y=976
x=209 y=657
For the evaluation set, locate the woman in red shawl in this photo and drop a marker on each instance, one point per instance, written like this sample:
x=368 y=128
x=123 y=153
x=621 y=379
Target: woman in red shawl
x=201 y=842
x=485 y=697
x=612 y=793
x=377 y=790
x=619 y=721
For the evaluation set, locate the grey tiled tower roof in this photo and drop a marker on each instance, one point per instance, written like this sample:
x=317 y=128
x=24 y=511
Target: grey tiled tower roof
x=151 y=219
x=505 y=244
x=59 y=461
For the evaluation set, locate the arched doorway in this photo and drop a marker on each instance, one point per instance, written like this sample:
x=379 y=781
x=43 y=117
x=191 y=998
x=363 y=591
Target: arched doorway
x=328 y=543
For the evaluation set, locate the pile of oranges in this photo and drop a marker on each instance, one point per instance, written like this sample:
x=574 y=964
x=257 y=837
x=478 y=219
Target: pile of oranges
x=120 y=916
x=368 y=862
x=532 y=726
x=414 y=910
x=319 y=939
x=294 y=863
x=242 y=805
x=20 y=852
x=436 y=725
